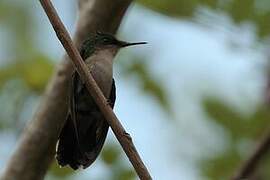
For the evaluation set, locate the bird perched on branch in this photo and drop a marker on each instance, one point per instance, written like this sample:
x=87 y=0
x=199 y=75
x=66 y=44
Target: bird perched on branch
x=85 y=130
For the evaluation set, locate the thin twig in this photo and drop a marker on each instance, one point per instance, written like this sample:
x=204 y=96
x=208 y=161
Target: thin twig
x=249 y=167
x=119 y=131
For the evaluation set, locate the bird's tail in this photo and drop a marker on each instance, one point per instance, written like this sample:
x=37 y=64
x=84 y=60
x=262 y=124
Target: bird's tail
x=82 y=150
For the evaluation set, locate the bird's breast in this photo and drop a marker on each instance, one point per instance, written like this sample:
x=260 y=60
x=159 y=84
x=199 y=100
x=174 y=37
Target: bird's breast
x=101 y=70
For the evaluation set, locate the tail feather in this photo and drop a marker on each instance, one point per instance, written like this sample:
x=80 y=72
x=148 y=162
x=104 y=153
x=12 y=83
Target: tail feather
x=67 y=145
x=84 y=151
x=93 y=142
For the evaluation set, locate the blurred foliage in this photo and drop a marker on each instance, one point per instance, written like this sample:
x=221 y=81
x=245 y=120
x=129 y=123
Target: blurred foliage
x=112 y=157
x=254 y=11
x=58 y=172
x=173 y=7
x=110 y=154
x=12 y=98
x=35 y=72
x=243 y=131
x=238 y=124
x=149 y=84
x=223 y=166
x=24 y=71
x=17 y=20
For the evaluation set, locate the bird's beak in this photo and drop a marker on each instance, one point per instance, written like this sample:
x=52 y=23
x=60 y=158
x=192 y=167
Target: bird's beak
x=125 y=44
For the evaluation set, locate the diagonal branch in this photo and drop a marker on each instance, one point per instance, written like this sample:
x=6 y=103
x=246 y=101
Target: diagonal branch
x=36 y=147
x=249 y=167
x=119 y=131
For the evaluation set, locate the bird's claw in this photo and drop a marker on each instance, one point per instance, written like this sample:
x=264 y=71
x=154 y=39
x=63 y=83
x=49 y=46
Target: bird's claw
x=109 y=103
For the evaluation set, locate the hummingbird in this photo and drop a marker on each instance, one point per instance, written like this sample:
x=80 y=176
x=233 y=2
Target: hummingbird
x=85 y=130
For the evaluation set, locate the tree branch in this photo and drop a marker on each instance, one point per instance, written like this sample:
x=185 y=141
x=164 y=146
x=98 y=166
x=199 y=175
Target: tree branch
x=249 y=167
x=36 y=147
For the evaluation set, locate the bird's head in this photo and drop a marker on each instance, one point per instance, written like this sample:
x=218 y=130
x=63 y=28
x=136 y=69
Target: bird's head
x=102 y=41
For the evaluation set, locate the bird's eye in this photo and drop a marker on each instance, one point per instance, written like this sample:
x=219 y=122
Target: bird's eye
x=105 y=40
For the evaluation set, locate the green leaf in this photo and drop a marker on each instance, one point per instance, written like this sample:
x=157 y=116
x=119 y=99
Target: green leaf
x=125 y=174
x=35 y=72
x=148 y=83
x=237 y=124
x=172 y=7
x=110 y=154
x=241 y=11
x=225 y=116
x=60 y=172
x=244 y=130
x=221 y=167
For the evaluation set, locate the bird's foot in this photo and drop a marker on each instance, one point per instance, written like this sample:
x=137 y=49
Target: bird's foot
x=109 y=103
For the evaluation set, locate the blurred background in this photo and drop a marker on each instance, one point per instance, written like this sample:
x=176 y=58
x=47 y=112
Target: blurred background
x=193 y=99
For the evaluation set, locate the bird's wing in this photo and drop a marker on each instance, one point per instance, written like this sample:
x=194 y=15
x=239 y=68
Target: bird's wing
x=83 y=135
x=72 y=102
x=68 y=138
x=112 y=94
x=77 y=87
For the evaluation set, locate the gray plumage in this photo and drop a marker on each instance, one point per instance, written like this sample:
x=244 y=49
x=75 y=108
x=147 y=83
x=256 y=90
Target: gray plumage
x=85 y=130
